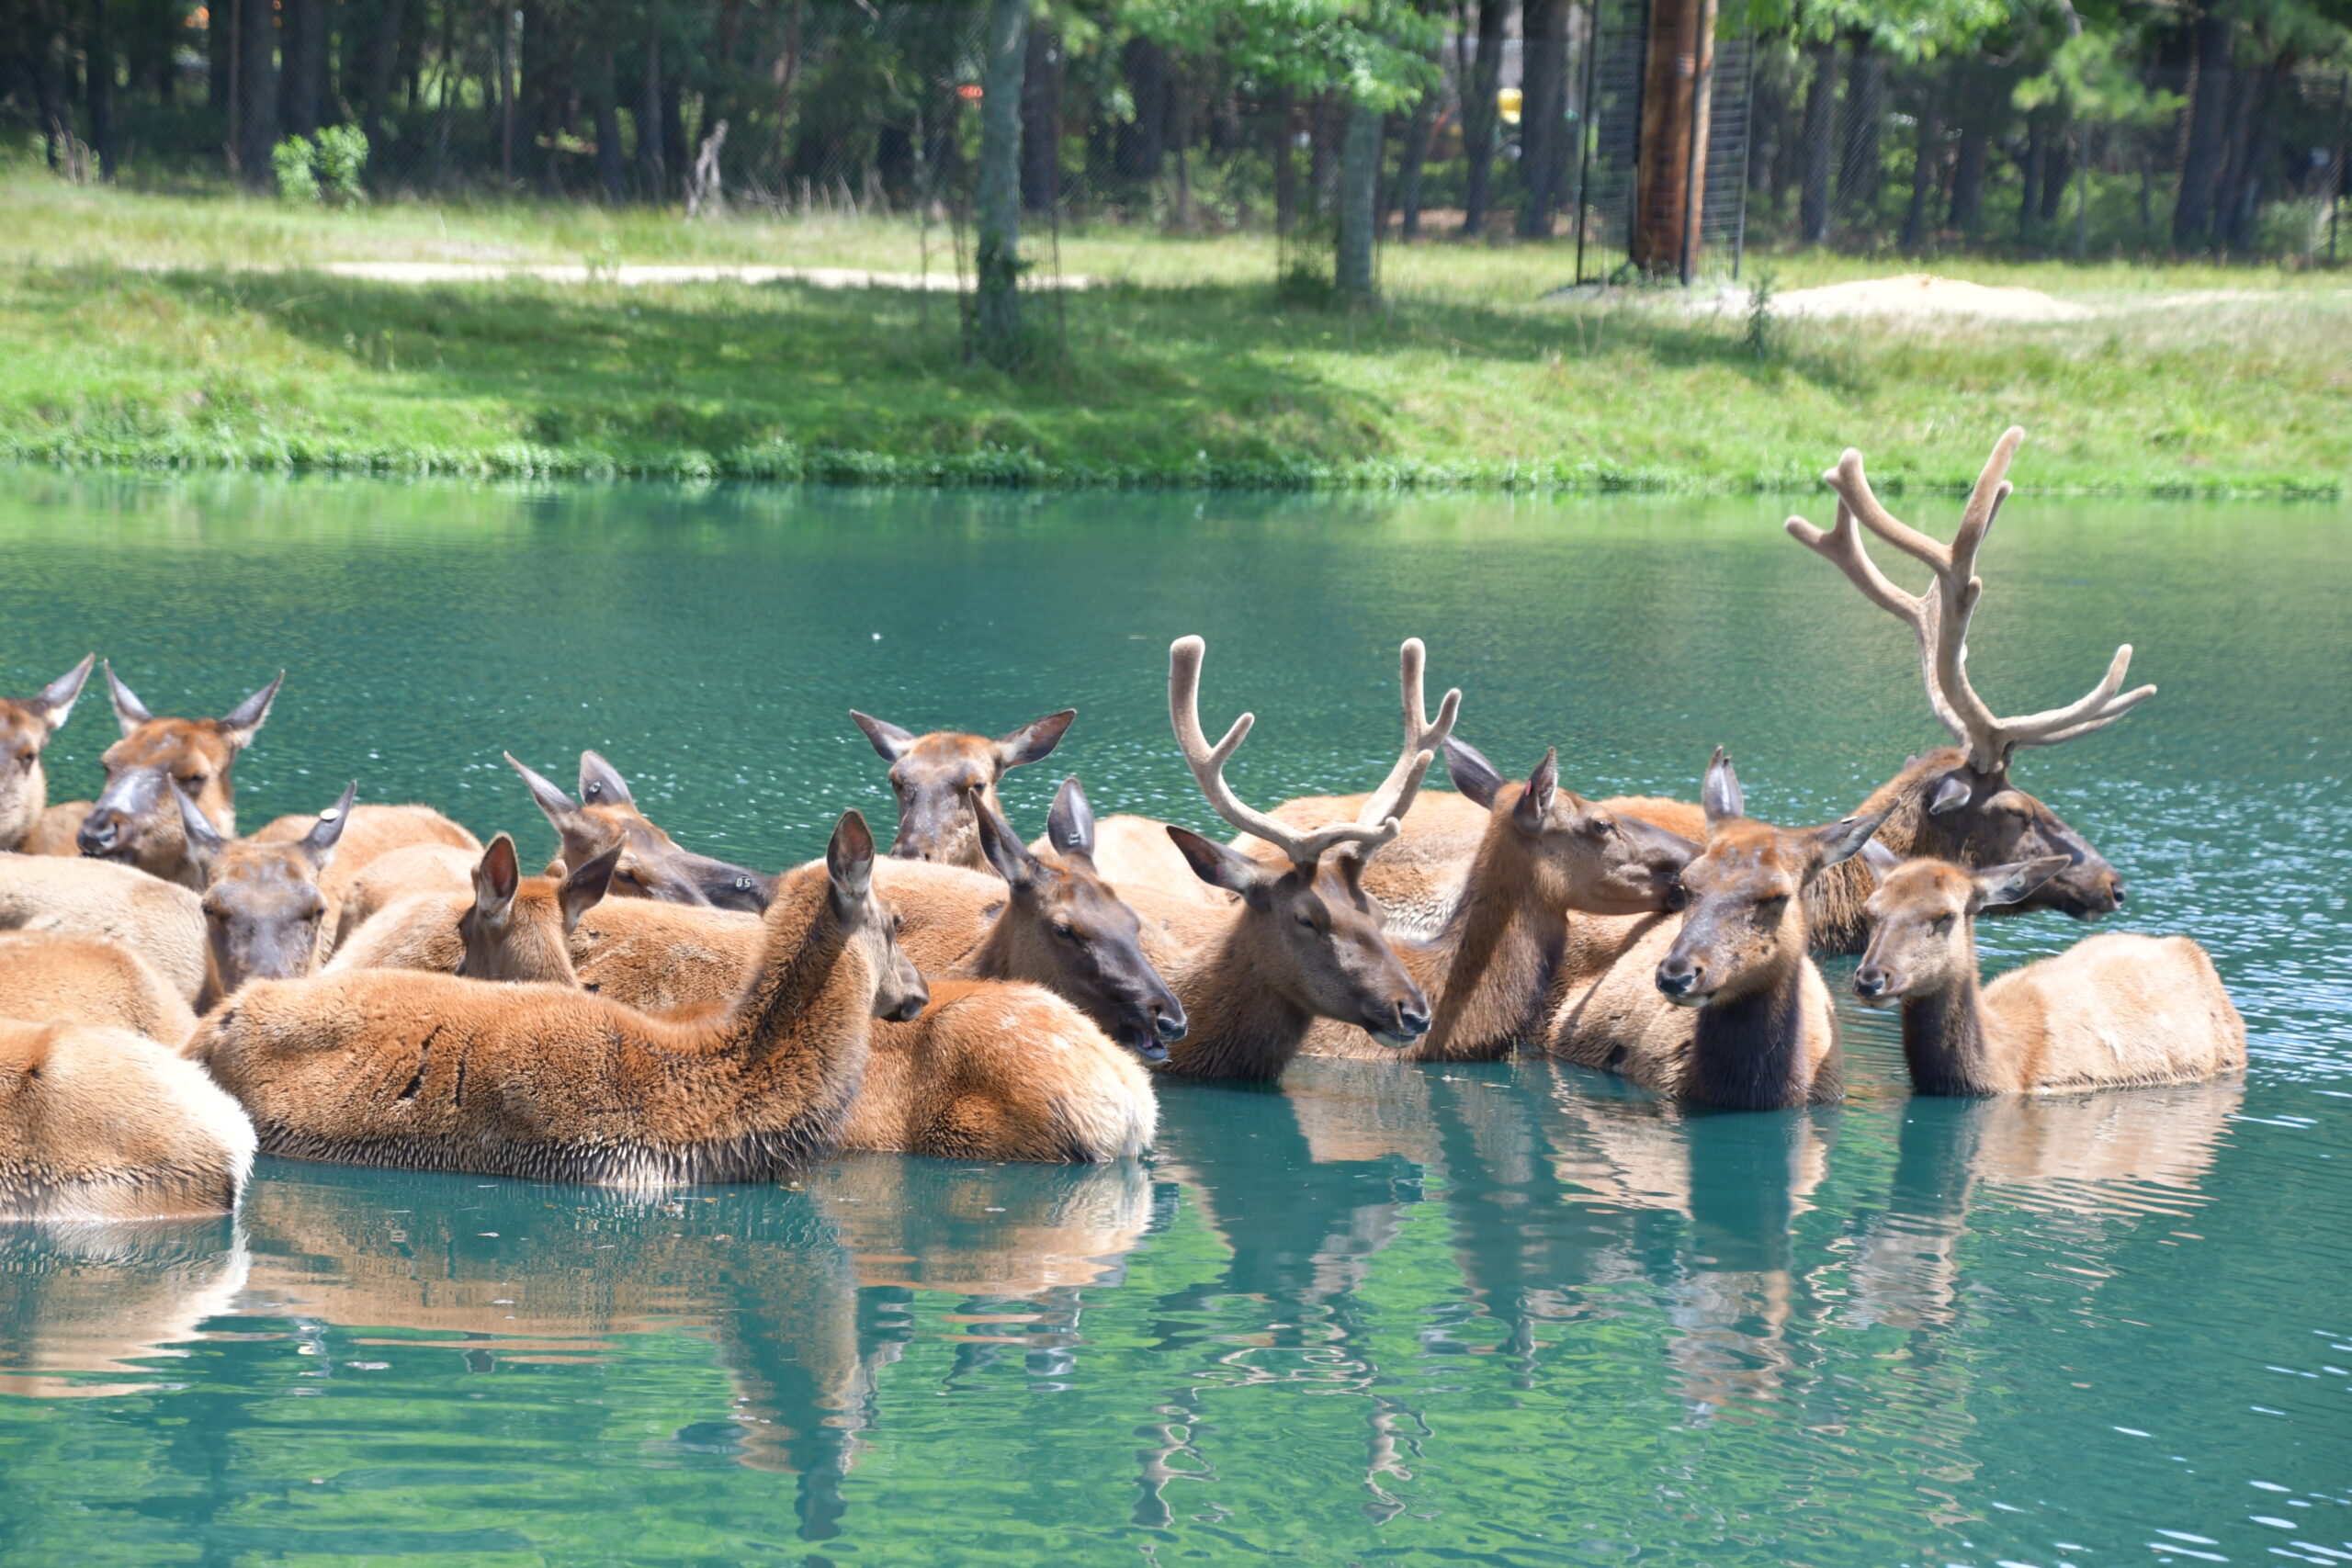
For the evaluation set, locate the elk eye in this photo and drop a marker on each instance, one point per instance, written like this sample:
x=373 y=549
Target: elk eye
x=1066 y=932
x=1943 y=925
x=897 y=924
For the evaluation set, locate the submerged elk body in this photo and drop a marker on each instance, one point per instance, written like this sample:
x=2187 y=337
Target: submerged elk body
x=136 y=820
x=2116 y=1009
x=938 y=777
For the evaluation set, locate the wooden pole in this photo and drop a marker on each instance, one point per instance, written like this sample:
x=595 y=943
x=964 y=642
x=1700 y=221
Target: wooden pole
x=1670 y=166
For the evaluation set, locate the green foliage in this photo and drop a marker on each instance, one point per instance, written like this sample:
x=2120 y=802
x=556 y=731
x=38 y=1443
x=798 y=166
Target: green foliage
x=1762 y=335
x=343 y=158
x=2095 y=75
x=296 y=184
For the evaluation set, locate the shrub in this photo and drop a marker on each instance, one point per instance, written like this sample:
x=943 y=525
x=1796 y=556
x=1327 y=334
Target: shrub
x=341 y=158
x=296 y=184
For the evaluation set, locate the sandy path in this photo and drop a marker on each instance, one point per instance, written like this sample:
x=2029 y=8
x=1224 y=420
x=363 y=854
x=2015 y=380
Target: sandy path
x=633 y=277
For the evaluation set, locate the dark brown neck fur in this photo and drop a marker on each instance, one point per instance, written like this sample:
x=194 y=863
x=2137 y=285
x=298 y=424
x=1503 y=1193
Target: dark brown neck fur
x=1241 y=1026
x=1495 y=960
x=1833 y=905
x=1943 y=1038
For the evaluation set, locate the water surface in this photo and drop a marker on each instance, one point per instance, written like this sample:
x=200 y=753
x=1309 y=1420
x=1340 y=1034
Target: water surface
x=1511 y=1314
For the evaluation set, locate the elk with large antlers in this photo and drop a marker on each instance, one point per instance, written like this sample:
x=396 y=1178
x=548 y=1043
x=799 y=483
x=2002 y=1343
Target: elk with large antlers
x=1957 y=803
x=1295 y=943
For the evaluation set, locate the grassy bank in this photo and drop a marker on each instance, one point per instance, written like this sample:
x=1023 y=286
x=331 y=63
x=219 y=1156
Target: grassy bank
x=132 y=338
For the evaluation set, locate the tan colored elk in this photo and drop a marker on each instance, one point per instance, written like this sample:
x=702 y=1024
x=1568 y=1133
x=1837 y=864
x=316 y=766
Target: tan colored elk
x=161 y=922
x=1957 y=803
x=397 y=874
x=389 y=1067
x=937 y=776
x=134 y=820
x=2112 y=1010
x=371 y=832
x=263 y=909
x=1295 y=943
x=653 y=865
x=104 y=1124
x=26 y=725
x=54 y=977
x=516 y=926
x=1548 y=857
x=1752 y=1026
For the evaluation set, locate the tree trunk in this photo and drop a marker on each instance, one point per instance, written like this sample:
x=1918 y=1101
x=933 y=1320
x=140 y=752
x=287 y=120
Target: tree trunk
x=218 y=28
x=257 y=89
x=612 y=169
x=1967 y=213
x=1479 y=112
x=652 y=179
x=306 y=74
x=1418 y=132
x=1322 y=143
x=98 y=85
x=380 y=66
x=1678 y=58
x=2259 y=137
x=2206 y=147
x=1926 y=160
x=997 y=307
x=1858 y=170
x=1142 y=141
x=1820 y=140
x=2030 y=168
x=2057 y=166
x=1359 y=181
x=1285 y=165
x=1041 y=121
x=1543 y=112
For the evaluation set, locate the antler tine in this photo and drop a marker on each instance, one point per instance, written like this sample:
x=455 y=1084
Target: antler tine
x=2097 y=708
x=1853 y=487
x=1984 y=499
x=1208 y=763
x=1842 y=547
x=1424 y=740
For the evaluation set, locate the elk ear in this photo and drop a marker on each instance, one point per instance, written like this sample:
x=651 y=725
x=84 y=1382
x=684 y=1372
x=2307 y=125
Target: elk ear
x=1952 y=793
x=2009 y=884
x=1069 y=827
x=1033 y=741
x=327 y=832
x=204 y=841
x=129 y=711
x=888 y=739
x=1534 y=802
x=497 y=877
x=584 y=889
x=1720 y=794
x=849 y=861
x=1471 y=772
x=56 y=700
x=1843 y=841
x=1879 y=859
x=1219 y=865
x=242 y=723
x=2015 y=802
x=1003 y=847
x=556 y=806
x=601 y=782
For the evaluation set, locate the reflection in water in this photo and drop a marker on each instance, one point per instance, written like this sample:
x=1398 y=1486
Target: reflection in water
x=80 y=1298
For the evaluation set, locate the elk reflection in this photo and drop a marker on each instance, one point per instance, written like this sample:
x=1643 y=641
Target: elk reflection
x=2116 y=1155
x=82 y=1299
x=805 y=1291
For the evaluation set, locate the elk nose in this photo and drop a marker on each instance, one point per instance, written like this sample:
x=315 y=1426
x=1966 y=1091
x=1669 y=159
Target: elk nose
x=1677 y=977
x=100 y=837
x=1412 y=1020
x=2117 y=893
x=1168 y=1023
x=1870 y=982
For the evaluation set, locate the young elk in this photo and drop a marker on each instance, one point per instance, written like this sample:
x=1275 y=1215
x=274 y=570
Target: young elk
x=263 y=911
x=54 y=977
x=134 y=820
x=1302 y=941
x=653 y=865
x=384 y=1066
x=1548 y=856
x=2113 y=1010
x=26 y=725
x=161 y=922
x=1957 y=803
x=936 y=777
x=104 y=1124
x=518 y=926
x=369 y=834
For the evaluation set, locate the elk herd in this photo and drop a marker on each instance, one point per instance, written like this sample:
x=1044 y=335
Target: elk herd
x=374 y=984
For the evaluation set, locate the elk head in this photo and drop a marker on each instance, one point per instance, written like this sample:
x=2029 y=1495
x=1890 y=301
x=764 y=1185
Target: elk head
x=26 y=725
x=134 y=820
x=1066 y=930
x=1582 y=855
x=937 y=775
x=899 y=993
x=1921 y=939
x=515 y=927
x=262 y=904
x=1972 y=814
x=1317 y=931
x=1745 y=927
x=653 y=865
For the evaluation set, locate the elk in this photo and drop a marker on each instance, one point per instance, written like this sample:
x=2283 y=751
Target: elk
x=1547 y=856
x=397 y=874
x=104 y=1124
x=2113 y=1010
x=26 y=725
x=53 y=978
x=134 y=820
x=263 y=909
x=369 y=834
x=936 y=777
x=1295 y=943
x=161 y=922
x=379 y=1067
x=652 y=865
x=1956 y=803
x=516 y=928
x=1751 y=1026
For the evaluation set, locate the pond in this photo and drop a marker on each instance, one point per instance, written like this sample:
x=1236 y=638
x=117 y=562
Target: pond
x=1510 y=1313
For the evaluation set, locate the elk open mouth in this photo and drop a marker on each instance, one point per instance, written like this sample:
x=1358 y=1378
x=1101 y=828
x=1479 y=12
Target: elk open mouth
x=1145 y=1043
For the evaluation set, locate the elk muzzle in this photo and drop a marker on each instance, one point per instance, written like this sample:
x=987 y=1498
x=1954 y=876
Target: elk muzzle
x=124 y=809
x=1407 y=1021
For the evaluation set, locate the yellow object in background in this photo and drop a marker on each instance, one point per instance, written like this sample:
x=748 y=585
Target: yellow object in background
x=1509 y=100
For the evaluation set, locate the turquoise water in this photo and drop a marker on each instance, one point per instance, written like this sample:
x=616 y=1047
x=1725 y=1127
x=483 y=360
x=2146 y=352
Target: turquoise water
x=1511 y=1314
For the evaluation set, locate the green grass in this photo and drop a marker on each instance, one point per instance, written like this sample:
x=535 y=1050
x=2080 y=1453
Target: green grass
x=133 y=332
